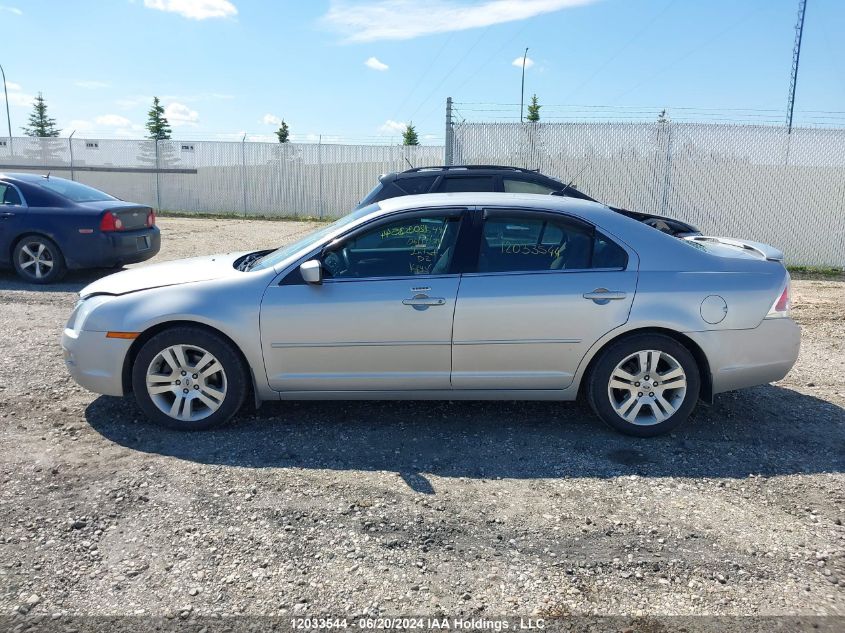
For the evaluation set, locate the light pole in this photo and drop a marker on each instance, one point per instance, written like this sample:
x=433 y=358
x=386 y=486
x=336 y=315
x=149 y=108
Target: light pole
x=8 y=118
x=522 y=91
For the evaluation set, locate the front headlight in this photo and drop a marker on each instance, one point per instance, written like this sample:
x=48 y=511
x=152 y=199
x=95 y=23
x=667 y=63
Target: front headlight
x=83 y=309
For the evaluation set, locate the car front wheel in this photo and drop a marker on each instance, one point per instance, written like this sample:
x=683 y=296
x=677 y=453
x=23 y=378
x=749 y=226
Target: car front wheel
x=189 y=379
x=644 y=385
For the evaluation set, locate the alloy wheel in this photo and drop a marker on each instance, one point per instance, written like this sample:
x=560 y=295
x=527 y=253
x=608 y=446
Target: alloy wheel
x=35 y=259
x=186 y=382
x=647 y=387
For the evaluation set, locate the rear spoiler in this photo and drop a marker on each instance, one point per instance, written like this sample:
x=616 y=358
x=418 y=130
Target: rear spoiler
x=764 y=250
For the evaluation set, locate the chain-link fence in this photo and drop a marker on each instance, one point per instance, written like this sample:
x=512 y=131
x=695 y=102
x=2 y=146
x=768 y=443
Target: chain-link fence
x=754 y=182
x=295 y=179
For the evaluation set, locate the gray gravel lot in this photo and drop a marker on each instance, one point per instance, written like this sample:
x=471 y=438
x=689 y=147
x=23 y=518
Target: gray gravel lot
x=414 y=507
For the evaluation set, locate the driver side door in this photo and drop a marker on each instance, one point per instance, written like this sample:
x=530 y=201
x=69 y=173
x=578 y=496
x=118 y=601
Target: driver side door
x=381 y=320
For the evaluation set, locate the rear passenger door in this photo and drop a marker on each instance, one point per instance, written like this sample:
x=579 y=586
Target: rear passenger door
x=545 y=288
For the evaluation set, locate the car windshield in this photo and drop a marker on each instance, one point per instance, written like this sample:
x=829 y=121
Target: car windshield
x=281 y=254
x=74 y=190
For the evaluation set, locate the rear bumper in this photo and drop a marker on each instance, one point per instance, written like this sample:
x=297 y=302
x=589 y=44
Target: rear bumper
x=115 y=249
x=746 y=358
x=94 y=361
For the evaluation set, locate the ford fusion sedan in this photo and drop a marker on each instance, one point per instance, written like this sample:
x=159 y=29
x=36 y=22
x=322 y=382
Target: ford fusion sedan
x=49 y=225
x=446 y=296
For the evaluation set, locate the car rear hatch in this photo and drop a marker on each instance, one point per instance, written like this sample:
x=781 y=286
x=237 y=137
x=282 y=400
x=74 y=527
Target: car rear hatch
x=733 y=247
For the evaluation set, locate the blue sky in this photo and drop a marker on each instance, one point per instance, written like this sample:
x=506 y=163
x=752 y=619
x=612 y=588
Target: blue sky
x=357 y=69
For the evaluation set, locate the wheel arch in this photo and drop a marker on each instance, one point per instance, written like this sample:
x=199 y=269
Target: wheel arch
x=698 y=354
x=13 y=244
x=146 y=335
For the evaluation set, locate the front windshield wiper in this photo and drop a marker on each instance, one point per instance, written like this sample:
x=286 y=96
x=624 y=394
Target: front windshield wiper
x=246 y=264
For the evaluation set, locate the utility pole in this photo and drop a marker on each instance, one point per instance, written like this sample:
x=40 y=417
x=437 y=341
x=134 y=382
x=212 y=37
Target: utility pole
x=522 y=91
x=8 y=118
x=796 y=56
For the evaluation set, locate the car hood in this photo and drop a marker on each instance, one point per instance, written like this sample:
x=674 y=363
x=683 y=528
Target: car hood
x=181 y=271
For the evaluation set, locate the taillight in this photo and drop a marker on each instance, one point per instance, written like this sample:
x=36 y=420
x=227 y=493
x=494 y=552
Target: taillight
x=151 y=218
x=780 y=308
x=110 y=222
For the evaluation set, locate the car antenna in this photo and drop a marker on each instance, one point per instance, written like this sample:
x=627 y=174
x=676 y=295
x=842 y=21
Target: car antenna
x=409 y=162
x=580 y=171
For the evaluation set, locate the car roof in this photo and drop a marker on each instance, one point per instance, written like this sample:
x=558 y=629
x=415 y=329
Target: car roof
x=33 y=179
x=484 y=170
x=542 y=202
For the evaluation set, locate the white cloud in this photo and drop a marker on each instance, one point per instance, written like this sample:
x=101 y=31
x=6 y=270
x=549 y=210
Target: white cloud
x=271 y=119
x=518 y=62
x=79 y=125
x=91 y=85
x=17 y=97
x=195 y=9
x=179 y=114
x=405 y=19
x=376 y=64
x=393 y=127
x=113 y=120
x=13 y=10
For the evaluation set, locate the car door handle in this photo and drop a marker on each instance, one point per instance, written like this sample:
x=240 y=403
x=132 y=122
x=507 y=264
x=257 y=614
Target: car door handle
x=6 y=215
x=422 y=300
x=603 y=295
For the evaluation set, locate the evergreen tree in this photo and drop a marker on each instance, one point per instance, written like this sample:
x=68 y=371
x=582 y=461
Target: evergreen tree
x=40 y=124
x=409 y=137
x=283 y=132
x=157 y=124
x=534 y=110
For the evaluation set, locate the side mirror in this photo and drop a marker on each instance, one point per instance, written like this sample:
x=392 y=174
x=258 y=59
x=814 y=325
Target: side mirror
x=312 y=271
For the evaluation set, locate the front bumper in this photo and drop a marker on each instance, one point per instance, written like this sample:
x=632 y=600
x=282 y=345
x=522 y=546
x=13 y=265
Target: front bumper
x=94 y=361
x=746 y=358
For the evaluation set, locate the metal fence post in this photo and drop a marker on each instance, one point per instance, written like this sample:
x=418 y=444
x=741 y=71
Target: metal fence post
x=320 y=201
x=70 y=149
x=158 y=175
x=243 y=171
x=667 y=174
x=450 y=135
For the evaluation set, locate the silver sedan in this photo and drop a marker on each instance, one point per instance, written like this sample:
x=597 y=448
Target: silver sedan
x=446 y=296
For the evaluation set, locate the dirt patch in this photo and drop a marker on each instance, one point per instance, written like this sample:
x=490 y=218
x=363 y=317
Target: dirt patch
x=414 y=507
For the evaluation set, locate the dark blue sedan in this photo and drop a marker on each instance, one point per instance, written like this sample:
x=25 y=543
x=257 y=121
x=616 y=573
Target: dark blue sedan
x=49 y=225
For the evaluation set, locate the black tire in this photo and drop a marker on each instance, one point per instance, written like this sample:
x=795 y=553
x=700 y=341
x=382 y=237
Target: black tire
x=48 y=268
x=235 y=378
x=599 y=393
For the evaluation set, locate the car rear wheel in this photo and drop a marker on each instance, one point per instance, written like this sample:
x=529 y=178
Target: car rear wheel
x=38 y=260
x=189 y=379
x=644 y=385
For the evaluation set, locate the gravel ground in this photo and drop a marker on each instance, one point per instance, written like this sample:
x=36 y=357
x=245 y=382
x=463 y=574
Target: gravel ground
x=414 y=507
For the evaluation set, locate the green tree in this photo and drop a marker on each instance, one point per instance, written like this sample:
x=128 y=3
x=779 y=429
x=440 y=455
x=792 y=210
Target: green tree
x=534 y=110
x=409 y=136
x=283 y=132
x=40 y=124
x=157 y=124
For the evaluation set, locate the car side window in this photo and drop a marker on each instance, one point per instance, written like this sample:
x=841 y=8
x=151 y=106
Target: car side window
x=515 y=185
x=454 y=184
x=522 y=243
x=420 y=245
x=9 y=196
x=415 y=185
